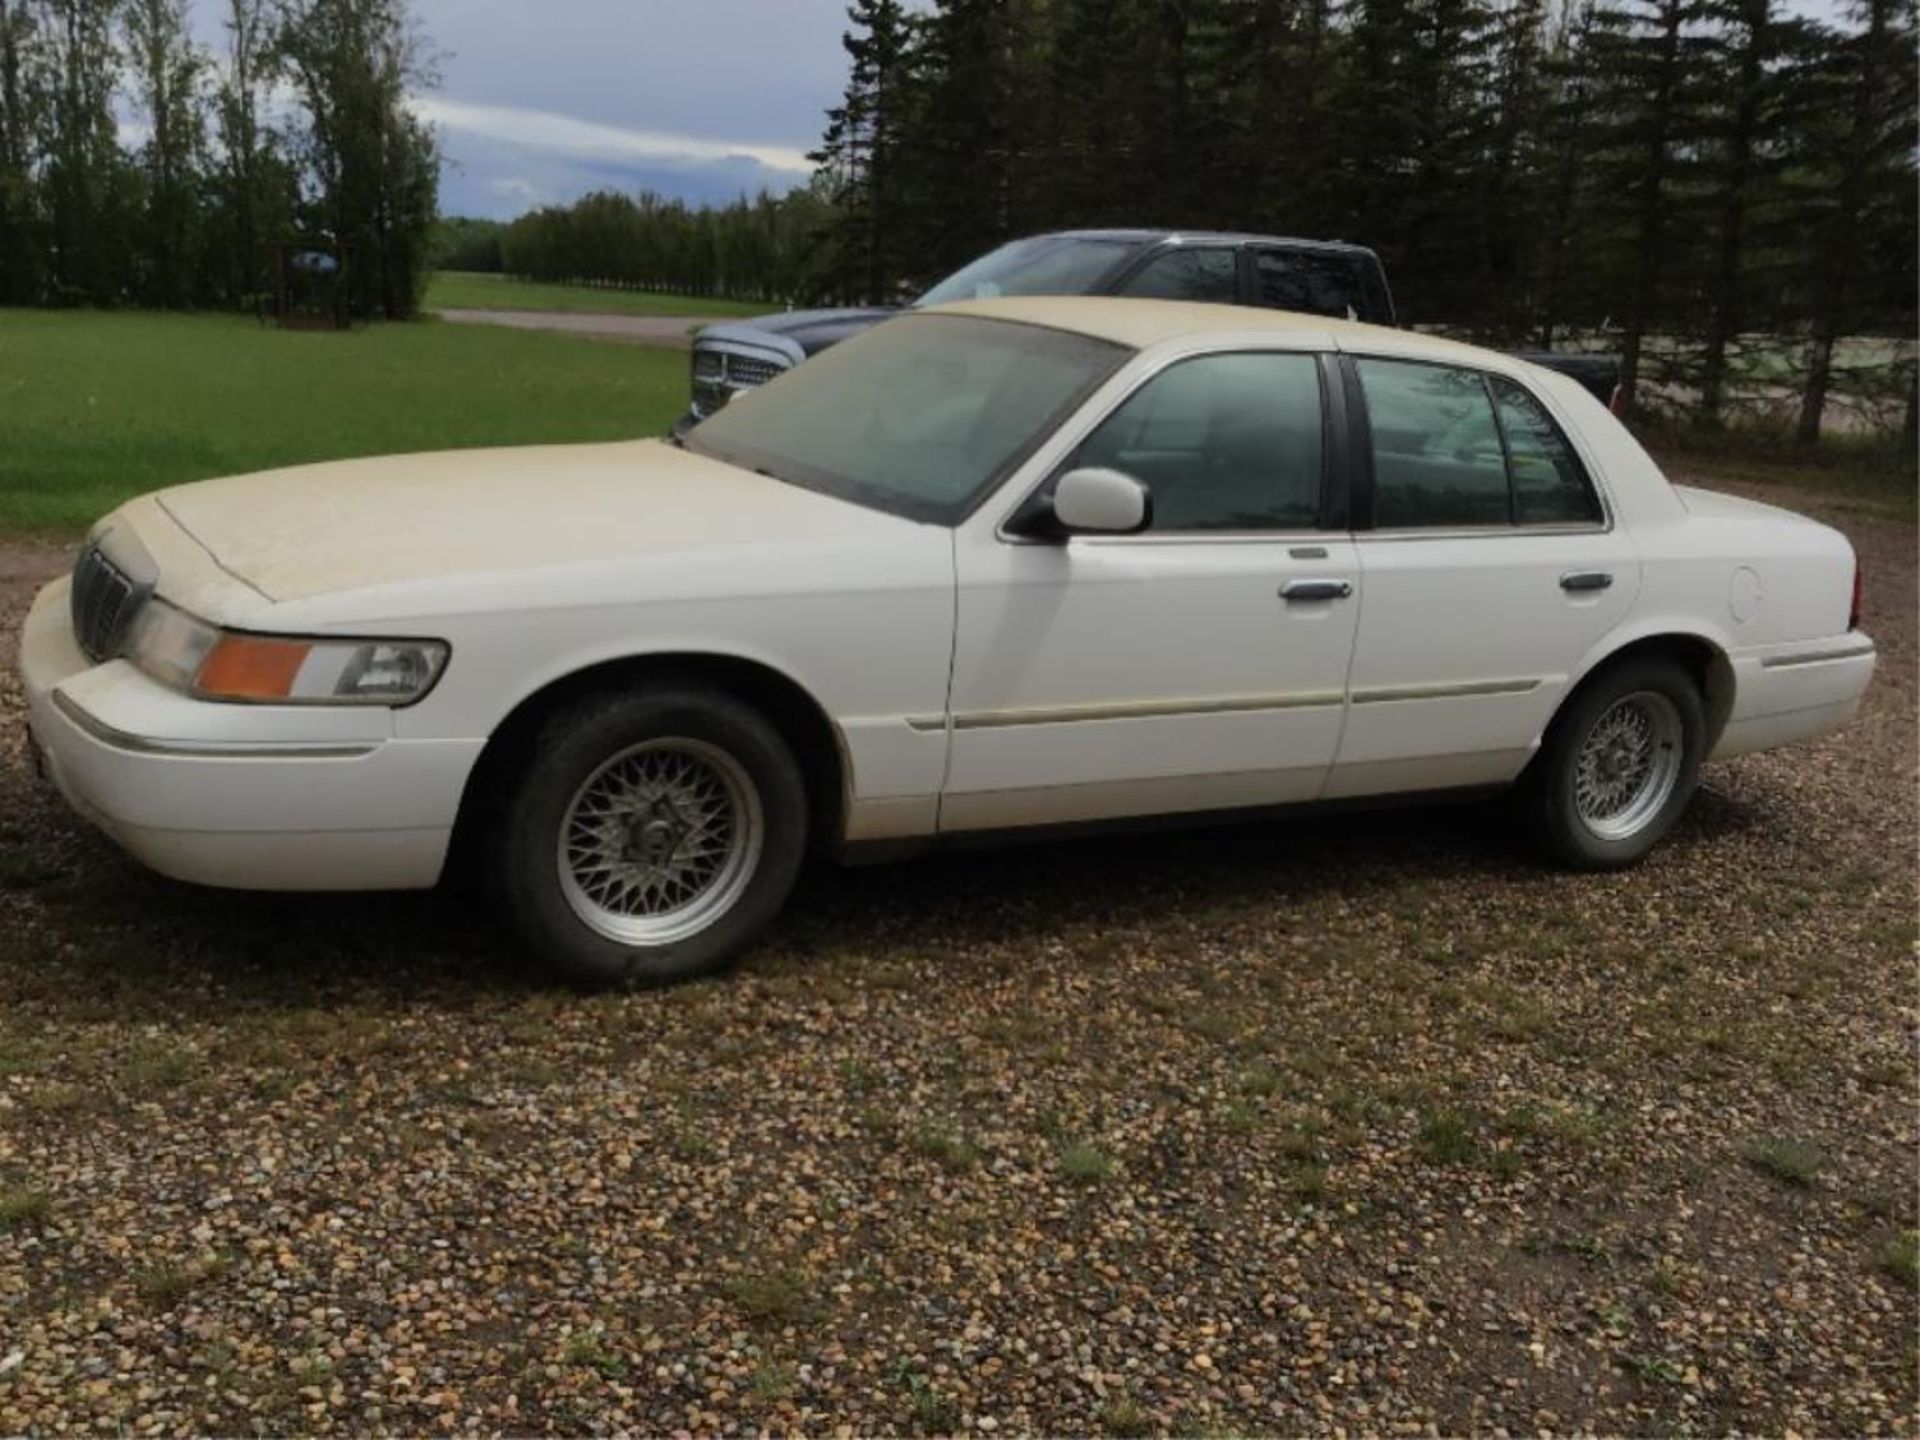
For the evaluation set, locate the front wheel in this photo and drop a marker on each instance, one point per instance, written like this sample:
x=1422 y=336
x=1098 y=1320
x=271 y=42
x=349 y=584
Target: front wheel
x=652 y=836
x=1620 y=764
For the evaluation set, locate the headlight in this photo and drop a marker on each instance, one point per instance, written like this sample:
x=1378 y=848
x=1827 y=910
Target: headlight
x=706 y=364
x=187 y=653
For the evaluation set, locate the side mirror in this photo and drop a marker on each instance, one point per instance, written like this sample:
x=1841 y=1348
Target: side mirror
x=1096 y=501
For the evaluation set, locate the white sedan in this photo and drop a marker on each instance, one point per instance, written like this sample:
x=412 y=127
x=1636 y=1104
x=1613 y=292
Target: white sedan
x=994 y=567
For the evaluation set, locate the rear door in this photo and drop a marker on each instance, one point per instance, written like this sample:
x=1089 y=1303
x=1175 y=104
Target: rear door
x=1489 y=566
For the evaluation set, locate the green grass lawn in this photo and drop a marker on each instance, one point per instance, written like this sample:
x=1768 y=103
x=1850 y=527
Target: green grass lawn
x=465 y=290
x=98 y=407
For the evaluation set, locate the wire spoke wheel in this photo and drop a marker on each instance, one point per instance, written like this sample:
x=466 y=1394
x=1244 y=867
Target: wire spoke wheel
x=1628 y=765
x=660 y=841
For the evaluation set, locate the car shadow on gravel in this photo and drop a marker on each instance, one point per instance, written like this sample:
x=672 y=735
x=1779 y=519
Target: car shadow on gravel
x=102 y=935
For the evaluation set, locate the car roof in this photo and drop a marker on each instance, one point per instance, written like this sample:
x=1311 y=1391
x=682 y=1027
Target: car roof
x=1204 y=237
x=1140 y=324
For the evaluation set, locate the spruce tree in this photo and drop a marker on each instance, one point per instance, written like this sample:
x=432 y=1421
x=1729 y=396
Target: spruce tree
x=1742 y=113
x=1859 y=209
x=1645 y=130
x=864 y=149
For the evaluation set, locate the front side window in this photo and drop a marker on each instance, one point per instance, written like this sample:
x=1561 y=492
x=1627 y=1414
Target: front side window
x=1207 y=275
x=1223 y=442
x=1437 y=459
x=1549 y=485
x=919 y=416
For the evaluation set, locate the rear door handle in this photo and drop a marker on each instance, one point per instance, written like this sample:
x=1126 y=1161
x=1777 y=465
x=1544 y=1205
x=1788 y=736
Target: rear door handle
x=1316 y=590
x=1576 y=580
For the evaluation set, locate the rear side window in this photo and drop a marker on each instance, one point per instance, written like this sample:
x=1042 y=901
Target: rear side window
x=1308 y=283
x=1207 y=275
x=1223 y=442
x=1549 y=486
x=1437 y=459
x=1455 y=449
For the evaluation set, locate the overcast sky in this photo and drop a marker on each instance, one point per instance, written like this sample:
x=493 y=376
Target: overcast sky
x=700 y=99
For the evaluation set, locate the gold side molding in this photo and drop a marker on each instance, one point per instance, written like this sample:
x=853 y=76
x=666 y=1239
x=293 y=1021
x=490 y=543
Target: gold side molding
x=1130 y=710
x=1387 y=694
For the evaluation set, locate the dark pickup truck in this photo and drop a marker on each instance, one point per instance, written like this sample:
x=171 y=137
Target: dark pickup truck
x=1314 y=277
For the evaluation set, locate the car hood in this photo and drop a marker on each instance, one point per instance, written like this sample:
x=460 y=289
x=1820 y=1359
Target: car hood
x=815 y=330
x=348 y=525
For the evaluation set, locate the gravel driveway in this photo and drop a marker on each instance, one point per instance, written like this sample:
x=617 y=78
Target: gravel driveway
x=673 y=331
x=1369 y=1124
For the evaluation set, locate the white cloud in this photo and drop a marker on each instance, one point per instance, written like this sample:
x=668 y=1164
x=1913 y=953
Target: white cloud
x=516 y=189
x=545 y=130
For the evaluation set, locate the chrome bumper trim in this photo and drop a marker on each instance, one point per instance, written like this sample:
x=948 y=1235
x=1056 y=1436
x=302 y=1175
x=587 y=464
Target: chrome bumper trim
x=1852 y=651
x=204 y=749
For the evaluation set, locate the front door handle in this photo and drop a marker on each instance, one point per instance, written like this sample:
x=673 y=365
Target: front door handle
x=1316 y=590
x=1576 y=580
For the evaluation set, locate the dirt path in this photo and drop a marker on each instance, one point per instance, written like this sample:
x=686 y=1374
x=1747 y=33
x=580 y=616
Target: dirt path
x=670 y=331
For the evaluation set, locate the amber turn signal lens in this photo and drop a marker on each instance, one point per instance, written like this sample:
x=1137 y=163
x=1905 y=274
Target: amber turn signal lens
x=249 y=667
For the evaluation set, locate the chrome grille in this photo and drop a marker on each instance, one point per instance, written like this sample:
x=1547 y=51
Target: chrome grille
x=746 y=370
x=718 y=374
x=104 y=601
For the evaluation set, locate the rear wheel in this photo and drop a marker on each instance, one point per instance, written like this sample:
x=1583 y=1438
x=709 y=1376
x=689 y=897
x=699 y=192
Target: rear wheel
x=652 y=837
x=1620 y=764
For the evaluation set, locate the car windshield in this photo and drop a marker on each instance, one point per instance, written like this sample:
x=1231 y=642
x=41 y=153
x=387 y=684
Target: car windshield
x=1046 y=265
x=919 y=417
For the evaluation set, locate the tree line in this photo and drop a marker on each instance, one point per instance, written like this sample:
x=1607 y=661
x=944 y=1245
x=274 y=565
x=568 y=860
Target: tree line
x=767 y=248
x=1692 y=178
x=139 y=167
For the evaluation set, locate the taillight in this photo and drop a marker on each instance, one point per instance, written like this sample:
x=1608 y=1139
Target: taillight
x=1853 y=611
x=1617 y=401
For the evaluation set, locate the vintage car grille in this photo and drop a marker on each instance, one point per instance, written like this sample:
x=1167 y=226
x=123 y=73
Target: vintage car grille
x=104 y=601
x=717 y=374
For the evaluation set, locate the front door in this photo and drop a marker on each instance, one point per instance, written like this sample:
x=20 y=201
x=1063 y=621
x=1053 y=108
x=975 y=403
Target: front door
x=1198 y=665
x=1490 y=571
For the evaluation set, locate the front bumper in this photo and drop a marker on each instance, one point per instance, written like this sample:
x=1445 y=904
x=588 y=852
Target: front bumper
x=248 y=797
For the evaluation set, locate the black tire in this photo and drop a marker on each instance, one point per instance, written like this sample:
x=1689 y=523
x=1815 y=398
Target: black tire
x=1549 y=795
x=572 y=746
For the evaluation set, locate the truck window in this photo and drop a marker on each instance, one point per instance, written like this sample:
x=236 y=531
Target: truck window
x=1311 y=283
x=1183 y=274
